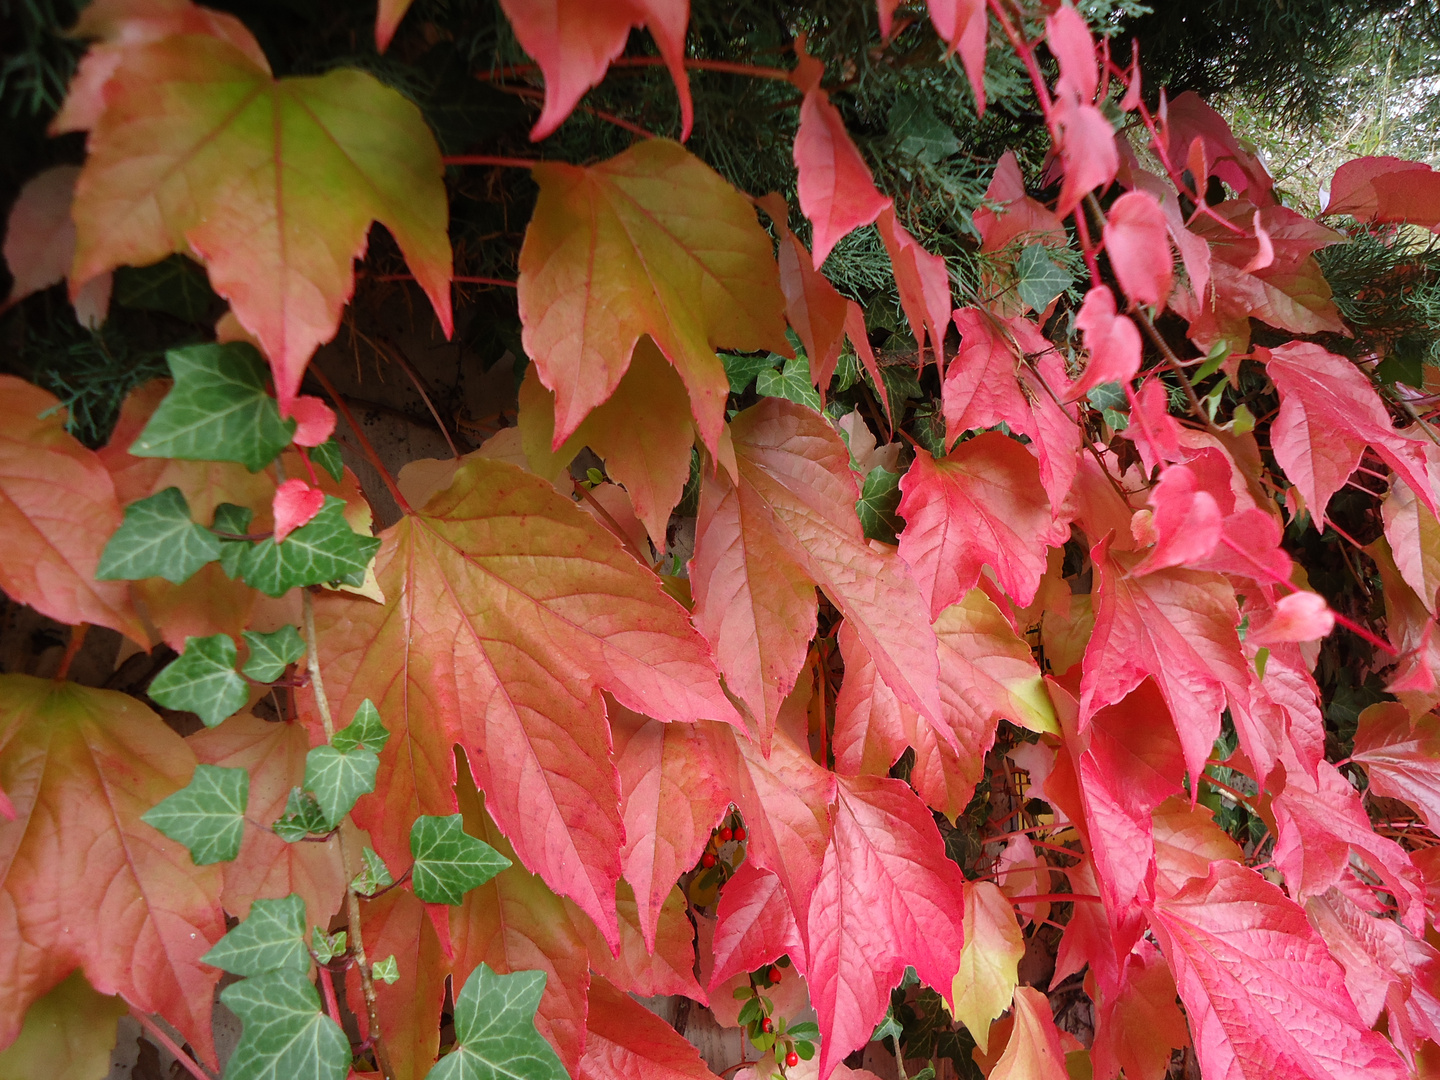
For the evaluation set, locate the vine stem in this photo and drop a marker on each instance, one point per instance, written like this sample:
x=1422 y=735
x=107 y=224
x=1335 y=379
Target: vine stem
x=73 y=646
x=352 y=898
x=156 y=1032
x=369 y=451
x=490 y=159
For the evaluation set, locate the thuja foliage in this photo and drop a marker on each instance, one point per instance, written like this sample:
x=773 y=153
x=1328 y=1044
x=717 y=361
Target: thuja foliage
x=961 y=576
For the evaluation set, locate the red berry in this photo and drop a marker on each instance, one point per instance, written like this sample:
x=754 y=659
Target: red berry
x=773 y=974
x=726 y=834
x=740 y=834
x=707 y=860
x=792 y=1059
x=767 y=1025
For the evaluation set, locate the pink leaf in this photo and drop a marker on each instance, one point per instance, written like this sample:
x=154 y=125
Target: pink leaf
x=1189 y=118
x=1136 y=239
x=963 y=25
x=314 y=420
x=1112 y=340
x=1386 y=189
x=1087 y=149
x=40 y=237
x=755 y=925
x=1152 y=429
x=1301 y=616
x=1018 y=217
x=860 y=341
x=626 y=1041
x=1187 y=521
x=813 y=308
x=923 y=282
x=1070 y=42
x=1265 y=250
x=1401 y=755
x=296 y=502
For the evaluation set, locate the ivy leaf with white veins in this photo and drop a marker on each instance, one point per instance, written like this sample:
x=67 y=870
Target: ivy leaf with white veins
x=791 y=382
x=203 y=680
x=207 y=815
x=1041 y=279
x=218 y=410
x=271 y=654
x=327 y=456
x=879 y=497
x=302 y=817
x=285 y=1036
x=158 y=539
x=338 y=777
x=365 y=730
x=374 y=874
x=235 y=520
x=325 y=549
x=449 y=862
x=495 y=1030
x=271 y=937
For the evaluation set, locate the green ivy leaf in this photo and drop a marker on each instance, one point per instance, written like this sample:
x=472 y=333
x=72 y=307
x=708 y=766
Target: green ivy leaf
x=326 y=946
x=1041 y=279
x=285 y=1035
x=448 y=861
x=365 y=730
x=742 y=370
x=327 y=456
x=302 y=817
x=218 y=409
x=337 y=778
x=387 y=970
x=325 y=549
x=158 y=539
x=791 y=382
x=230 y=518
x=879 y=498
x=495 y=1032
x=921 y=134
x=271 y=653
x=203 y=680
x=207 y=815
x=176 y=286
x=271 y=937
x=374 y=874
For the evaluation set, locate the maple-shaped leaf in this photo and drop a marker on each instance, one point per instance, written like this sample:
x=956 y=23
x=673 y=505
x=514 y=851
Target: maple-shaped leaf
x=506 y=610
x=1386 y=189
x=643 y=433
x=1263 y=995
x=80 y=767
x=1137 y=242
x=68 y=1034
x=627 y=1041
x=813 y=307
x=207 y=815
x=57 y=511
x=671 y=798
x=1329 y=413
x=989 y=959
x=268 y=868
x=834 y=185
x=230 y=160
x=1414 y=536
x=449 y=862
x=514 y=923
x=495 y=1030
x=755 y=925
x=1007 y=372
x=271 y=937
x=284 y=1033
x=1175 y=626
x=1401 y=756
x=764 y=541
x=980 y=505
x=684 y=260
x=887 y=897
x=1034 y=1051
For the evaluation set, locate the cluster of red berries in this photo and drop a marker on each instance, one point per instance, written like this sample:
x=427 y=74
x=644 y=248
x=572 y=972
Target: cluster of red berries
x=724 y=835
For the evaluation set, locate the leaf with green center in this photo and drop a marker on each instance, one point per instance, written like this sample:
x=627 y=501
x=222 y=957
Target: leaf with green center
x=365 y=730
x=1040 y=278
x=203 y=680
x=387 y=970
x=879 y=497
x=495 y=1032
x=158 y=539
x=271 y=937
x=791 y=382
x=327 y=456
x=218 y=410
x=235 y=520
x=207 y=815
x=374 y=874
x=200 y=149
x=323 y=550
x=338 y=777
x=449 y=862
x=285 y=1035
x=302 y=817
x=272 y=653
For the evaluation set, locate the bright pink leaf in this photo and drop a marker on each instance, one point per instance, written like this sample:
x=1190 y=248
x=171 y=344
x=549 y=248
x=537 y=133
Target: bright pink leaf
x=1401 y=756
x=296 y=502
x=1018 y=216
x=1112 y=341
x=574 y=42
x=314 y=420
x=1152 y=429
x=1301 y=616
x=887 y=897
x=626 y=1041
x=923 y=283
x=1264 y=255
x=1264 y=997
x=1371 y=950
x=756 y=925
x=982 y=504
x=1087 y=149
x=1071 y=44
x=1137 y=241
x=963 y=25
x=1186 y=521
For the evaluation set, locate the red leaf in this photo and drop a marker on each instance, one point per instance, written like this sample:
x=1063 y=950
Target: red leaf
x=756 y=925
x=57 y=509
x=1386 y=189
x=764 y=543
x=315 y=421
x=1329 y=413
x=1188 y=118
x=387 y=21
x=1371 y=950
x=85 y=883
x=1187 y=522
x=1401 y=756
x=923 y=283
x=963 y=25
x=1018 y=217
x=666 y=967
x=989 y=383
x=574 y=42
x=887 y=897
x=1070 y=43
x=1087 y=149
x=296 y=502
x=670 y=798
x=1177 y=626
x=860 y=340
x=1152 y=429
x=813 y=308
x=1301 y=616
x=627 y=1041
x=1136 y=1028
x=505 y=653
x=834 y=185
x=1137 y=241
x=1135 y=747
x=1112 y=341
x=1187 y=843
x=1263 y=995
